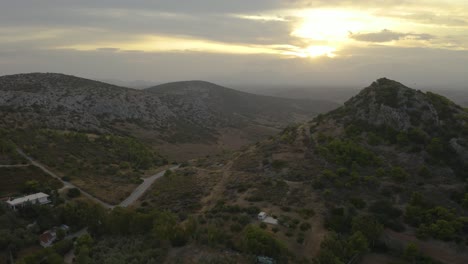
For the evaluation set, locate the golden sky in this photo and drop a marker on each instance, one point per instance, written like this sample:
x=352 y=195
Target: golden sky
x=315 y=31
x=294 y=30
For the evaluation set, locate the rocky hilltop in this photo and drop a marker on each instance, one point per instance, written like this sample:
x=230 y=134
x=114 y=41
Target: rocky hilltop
x=67 y=102
x=405 y=114
x=390 y=103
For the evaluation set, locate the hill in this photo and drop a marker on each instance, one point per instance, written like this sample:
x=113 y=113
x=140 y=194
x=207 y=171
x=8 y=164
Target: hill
x=215 y=105
x=380 y=179
x=184 y=123
x=66 y=102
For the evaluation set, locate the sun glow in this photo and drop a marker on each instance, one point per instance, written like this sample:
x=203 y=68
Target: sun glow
x=313 y=52
x=328 y=25
x=326 y=31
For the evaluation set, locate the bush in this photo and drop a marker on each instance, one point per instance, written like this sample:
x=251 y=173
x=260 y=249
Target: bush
x=345 y=153
x=358 y=202
x=306 y=213
x=399 y=174
x=73 y=193
x=300 y=238
x=235 y=228
x=305 y=226
x=278 y=164
x=259 y=242
x=63 y=247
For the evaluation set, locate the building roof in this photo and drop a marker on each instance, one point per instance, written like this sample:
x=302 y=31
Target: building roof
x=47 y=237
x=262 y=214
x=25 y=199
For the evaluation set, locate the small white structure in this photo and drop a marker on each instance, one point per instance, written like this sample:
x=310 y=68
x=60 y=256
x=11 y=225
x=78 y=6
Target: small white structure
x=37 y=198
x=261 y=216
x=270 y=220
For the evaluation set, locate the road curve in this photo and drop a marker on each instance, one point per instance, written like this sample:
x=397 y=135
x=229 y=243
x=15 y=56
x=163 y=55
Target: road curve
x=142 y=188
x=133 y=197
x=65 y=183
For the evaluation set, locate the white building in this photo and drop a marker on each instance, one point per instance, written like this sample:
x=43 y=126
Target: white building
x=37 y=198
x=262 y=216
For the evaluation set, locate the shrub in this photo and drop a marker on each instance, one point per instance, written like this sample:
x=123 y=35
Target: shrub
x=305 y=226
x=278 y=164
x=399 y=174
x=300 y=238
x=259 y=242
x=306 y=213
x=358 y=202
x=73 y=193
x=66 y=178
x=347 y=152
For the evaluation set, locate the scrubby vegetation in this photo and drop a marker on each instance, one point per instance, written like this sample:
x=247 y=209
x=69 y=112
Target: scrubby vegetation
x=90 y=160
x=8 y=154
x=351 y=182
x=180 y=192
x=25 y=180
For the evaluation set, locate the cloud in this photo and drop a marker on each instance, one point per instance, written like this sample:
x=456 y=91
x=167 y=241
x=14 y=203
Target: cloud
x=108 y=49
x=240 y=40
x=389 y=35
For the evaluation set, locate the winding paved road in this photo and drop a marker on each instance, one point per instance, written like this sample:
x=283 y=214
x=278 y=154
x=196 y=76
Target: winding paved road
x=134 y=196
x=141 y=189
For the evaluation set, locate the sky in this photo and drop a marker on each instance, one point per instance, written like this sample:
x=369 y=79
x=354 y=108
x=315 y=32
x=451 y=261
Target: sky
x=241 y=42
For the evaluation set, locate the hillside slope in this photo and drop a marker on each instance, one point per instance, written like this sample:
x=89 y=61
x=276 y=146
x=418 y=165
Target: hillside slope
x=67 y=102
x=199 y=119
x=210 y=103
x=385 y=170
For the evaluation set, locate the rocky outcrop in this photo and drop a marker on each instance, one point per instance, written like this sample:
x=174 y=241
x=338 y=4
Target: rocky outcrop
x=61 y=101
x=390 y=103
x=460 y=147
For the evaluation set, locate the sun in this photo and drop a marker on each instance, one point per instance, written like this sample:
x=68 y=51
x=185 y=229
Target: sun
x=326 y=31
x=314 y=52
x=328 y=25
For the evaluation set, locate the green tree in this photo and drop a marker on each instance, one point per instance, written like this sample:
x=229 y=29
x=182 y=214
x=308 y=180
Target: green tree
x=84 y=242
x=31 y=186
x=465 y=201
x=399 y=174
x=357 y=244
x=259 y=242
x=73 y=193
x=369 y=226
x=411 y=252
x=164 y=225
x=83 y=256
